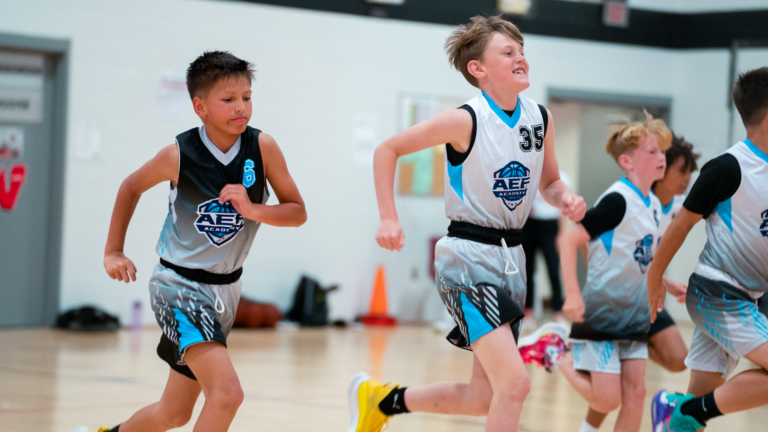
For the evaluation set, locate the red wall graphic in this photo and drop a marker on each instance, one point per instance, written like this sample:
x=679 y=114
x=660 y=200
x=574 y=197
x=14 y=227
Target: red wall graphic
x=8 y=196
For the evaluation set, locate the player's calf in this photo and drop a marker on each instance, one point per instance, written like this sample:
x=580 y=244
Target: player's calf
x=172 y=417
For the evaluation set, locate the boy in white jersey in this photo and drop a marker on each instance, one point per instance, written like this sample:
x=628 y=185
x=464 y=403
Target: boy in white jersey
x=732 y=273
x=665 y=344
x=218 y=175
x=610 y=330
x=499 y=151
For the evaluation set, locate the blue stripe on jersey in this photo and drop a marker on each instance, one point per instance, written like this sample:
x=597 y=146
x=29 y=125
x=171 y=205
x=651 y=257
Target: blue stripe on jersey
x=477 y=326
x=455 y=173
x=666 y=208
x=189 y=334
x=607 y=239
x=510 y=121
x=756 y=150
x=646 y=199
x=724 y=211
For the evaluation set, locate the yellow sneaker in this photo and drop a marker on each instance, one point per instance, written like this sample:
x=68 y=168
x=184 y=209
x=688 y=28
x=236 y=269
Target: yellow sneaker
x=364 y=395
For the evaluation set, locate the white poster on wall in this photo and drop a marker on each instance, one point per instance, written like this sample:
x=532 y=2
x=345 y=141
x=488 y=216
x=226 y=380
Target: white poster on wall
x=21 y=87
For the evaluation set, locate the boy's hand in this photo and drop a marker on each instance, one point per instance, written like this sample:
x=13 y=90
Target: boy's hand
x=656 y=295
x=574 y=308
x=390 y=235
x=238 y=197
x=676 y=289
x=119 y=267
x=574 y=207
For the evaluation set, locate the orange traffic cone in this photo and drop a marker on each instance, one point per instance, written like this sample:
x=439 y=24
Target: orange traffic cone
x=378 y=313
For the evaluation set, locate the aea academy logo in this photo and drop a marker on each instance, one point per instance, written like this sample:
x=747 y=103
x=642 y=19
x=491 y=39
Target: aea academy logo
x=220 y=222
x=764 y=226
x=644 y=252
x=511 y=184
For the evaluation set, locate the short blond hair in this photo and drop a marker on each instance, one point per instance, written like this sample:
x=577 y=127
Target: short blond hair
x=628 y=136
x=468 y=42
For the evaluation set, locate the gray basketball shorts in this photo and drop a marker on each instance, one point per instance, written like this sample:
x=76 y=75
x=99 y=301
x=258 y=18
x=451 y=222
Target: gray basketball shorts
x=606 y=356
x=728 y=325
x=477 y=292
x=187 y=313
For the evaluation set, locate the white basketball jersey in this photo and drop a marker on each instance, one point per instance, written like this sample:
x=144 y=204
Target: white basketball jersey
x=668 y=212
x=496 y=184
x=616 y=294
x=737 y=233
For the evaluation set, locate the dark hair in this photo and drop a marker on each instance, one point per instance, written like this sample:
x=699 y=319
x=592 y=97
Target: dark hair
x=210 y=67
x=751 y=96
x=682 y=148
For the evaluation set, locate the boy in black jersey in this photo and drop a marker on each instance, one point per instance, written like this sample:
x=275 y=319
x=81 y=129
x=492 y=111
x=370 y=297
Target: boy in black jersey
x=218 y=175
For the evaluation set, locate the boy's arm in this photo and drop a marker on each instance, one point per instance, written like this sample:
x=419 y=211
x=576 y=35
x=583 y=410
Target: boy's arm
x=552 y=189
x=677 y=289
x=453 y=127
x=671 y=241
x=290 y=211
x=718 y=181
x=604 y=217
x=163 y=167
x=574 y=307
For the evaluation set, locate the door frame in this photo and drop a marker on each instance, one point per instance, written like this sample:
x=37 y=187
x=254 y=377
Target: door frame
x=57 y=50
x=558 y=94
x=625 y=99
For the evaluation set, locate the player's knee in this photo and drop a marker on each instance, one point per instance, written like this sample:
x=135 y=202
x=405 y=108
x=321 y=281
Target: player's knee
x=607 y=401
x=633 y=393
x=516 y=389
x=605 y=405
x=227 y=396
x=676 y=365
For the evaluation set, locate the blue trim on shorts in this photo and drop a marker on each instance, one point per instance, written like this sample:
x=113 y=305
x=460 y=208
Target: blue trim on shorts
x=477 y=326
x=188 y=333
x=606 y=349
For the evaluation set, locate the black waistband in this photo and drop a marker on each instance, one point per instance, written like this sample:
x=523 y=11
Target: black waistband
x=485 y=235
x=202 y=276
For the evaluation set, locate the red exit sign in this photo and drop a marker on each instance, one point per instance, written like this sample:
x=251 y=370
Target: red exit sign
x=616 y=13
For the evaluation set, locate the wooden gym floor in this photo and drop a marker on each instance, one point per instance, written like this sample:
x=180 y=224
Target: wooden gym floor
x=294 y=380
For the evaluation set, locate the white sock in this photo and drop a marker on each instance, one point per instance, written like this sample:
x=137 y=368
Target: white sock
x=586 y=427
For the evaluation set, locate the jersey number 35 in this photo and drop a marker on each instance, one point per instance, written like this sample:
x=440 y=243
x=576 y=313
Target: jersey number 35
x=532 y=140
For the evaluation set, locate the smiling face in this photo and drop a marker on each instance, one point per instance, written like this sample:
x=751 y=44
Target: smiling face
x=503 y=65
x=227 y=107
x=647 y=161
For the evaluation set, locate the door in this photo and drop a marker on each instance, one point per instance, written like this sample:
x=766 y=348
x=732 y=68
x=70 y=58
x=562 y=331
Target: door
x=28 y=277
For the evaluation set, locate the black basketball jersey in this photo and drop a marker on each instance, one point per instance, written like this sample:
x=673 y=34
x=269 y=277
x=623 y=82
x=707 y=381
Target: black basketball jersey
x=199 y=231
